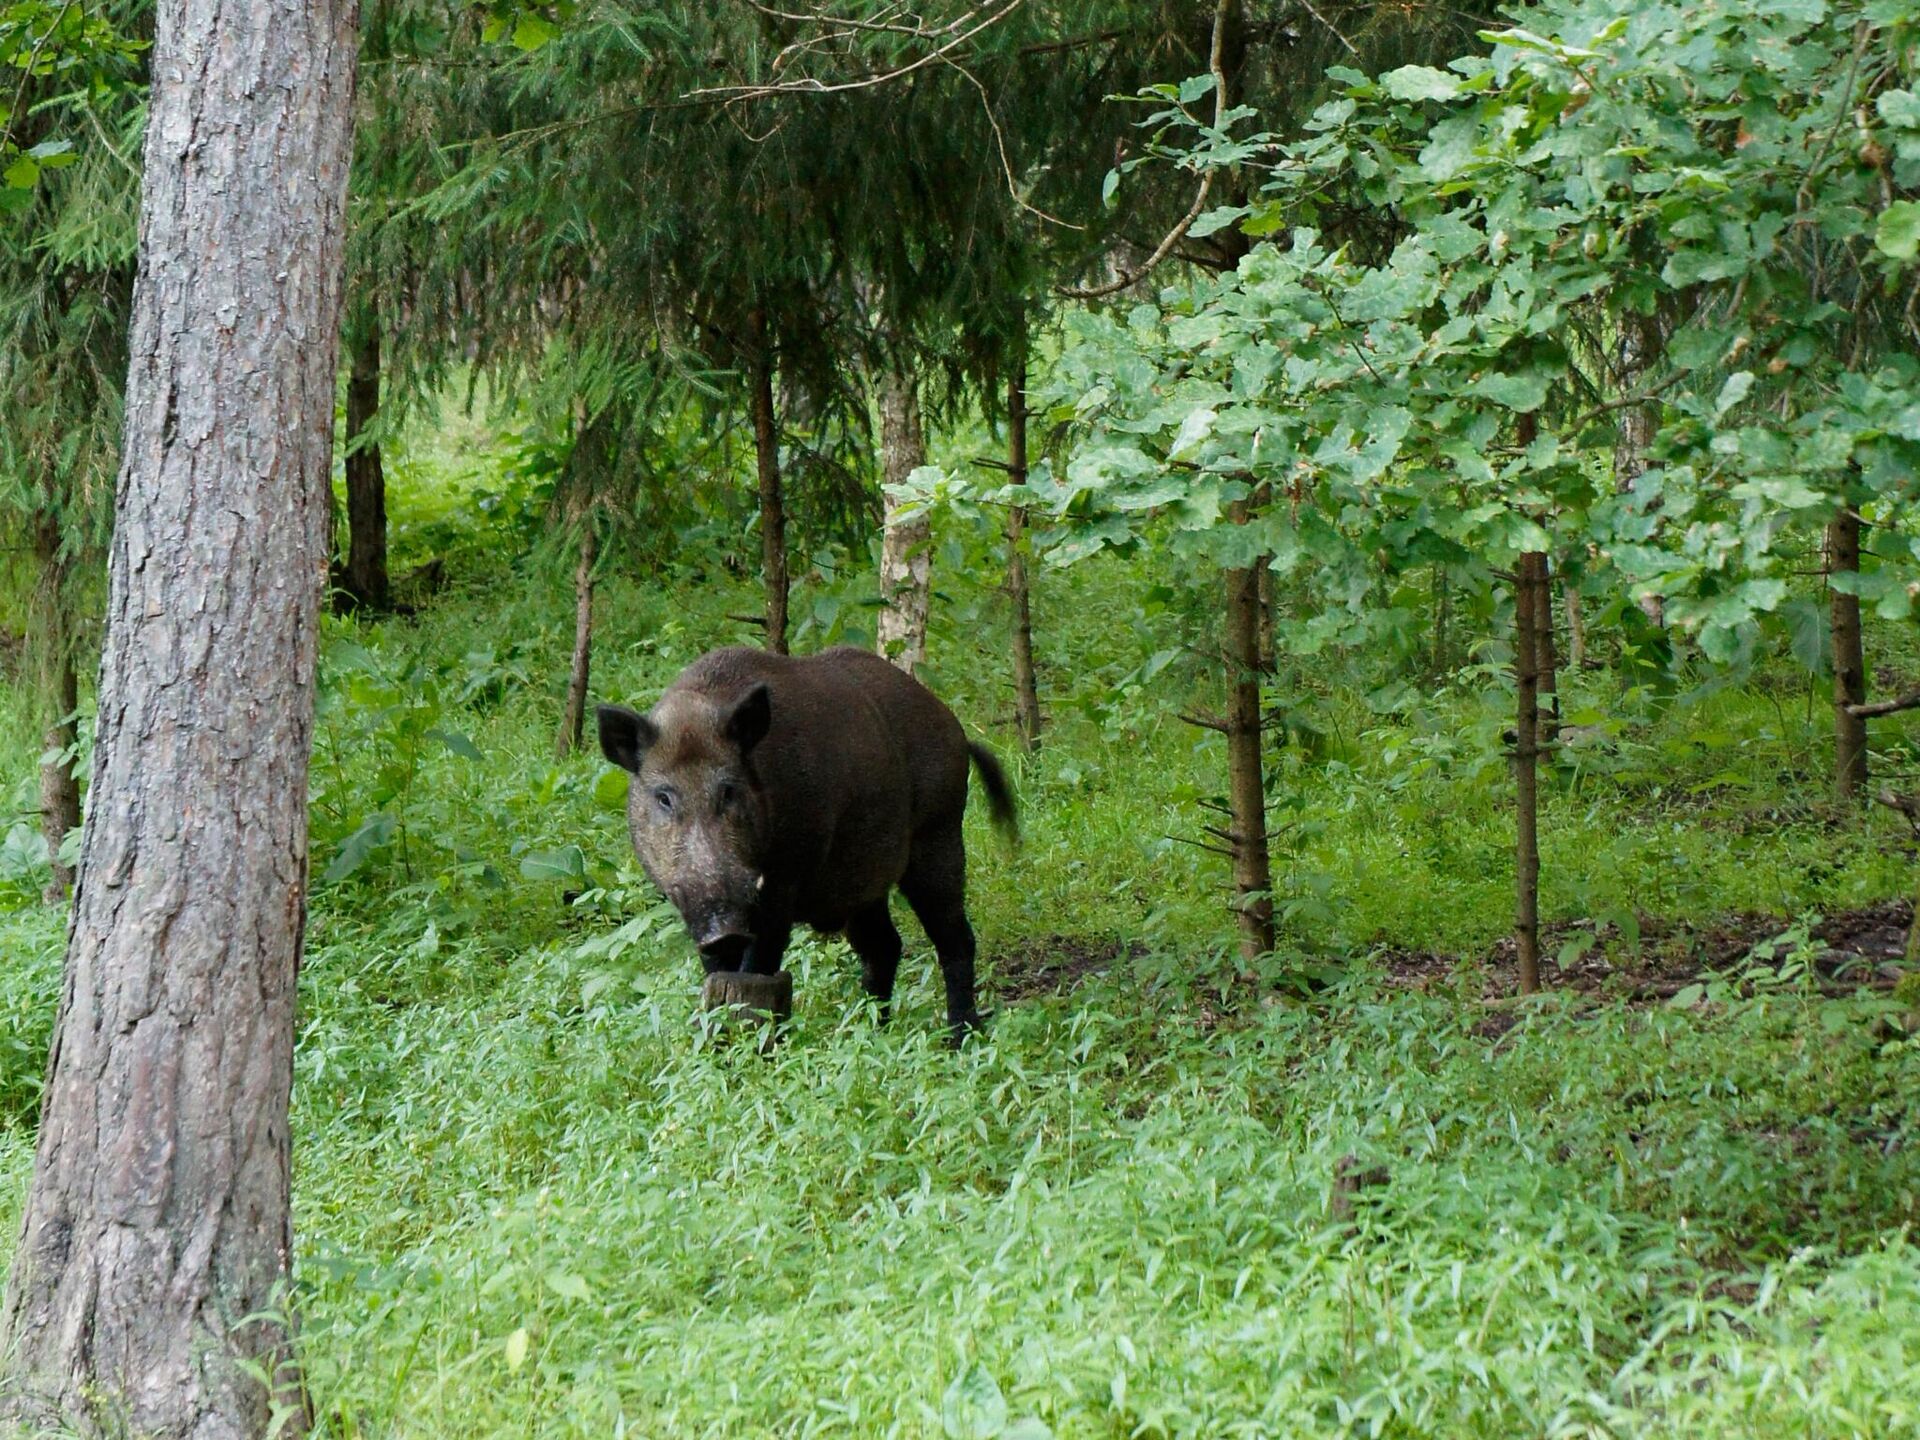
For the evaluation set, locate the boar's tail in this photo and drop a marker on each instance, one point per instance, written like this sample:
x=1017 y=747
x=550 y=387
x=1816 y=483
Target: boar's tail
x=999 y=793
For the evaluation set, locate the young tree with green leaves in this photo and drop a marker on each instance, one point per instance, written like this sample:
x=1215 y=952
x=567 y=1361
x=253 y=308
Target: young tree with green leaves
x=1377 y=386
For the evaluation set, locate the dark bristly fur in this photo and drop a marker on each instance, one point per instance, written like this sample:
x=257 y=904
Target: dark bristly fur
x=771 y=791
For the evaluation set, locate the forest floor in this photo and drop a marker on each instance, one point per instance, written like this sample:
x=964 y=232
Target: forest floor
x=1162 y=1195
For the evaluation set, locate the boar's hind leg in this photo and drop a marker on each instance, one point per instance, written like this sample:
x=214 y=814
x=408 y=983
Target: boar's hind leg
x=875 y=940
x=936 y=886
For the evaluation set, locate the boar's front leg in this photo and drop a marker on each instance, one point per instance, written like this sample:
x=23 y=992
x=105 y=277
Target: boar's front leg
x=769 y=948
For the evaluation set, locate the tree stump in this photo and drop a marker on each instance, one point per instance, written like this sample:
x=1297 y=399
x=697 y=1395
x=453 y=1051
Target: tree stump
x=1350 y=1178
x=745 y=1000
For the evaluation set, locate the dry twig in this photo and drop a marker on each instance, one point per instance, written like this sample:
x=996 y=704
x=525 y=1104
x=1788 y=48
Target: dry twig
x=1216 y=67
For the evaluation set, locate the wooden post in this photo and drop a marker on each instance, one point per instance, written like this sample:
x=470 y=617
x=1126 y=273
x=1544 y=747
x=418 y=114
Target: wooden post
x=747 y=999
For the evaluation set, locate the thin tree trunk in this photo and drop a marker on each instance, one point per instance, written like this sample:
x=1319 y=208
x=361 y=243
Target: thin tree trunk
x=1641 y=338
x=149 y=1291
x=1246 y=788
x=1576 y=628
x=1849 y=664
x=1913 y=934
x=1442 y=612
x=1546 y=655
x=59 y=697
x=1269 y=598
x=573 y=720
x=1026 y=689
x=906 y=546
x=364 y=584
x=773 y=511
x=1529 y=593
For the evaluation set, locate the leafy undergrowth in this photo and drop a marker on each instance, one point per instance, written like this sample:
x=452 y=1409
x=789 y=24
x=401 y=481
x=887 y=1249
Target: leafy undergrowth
x=534 y=1199
x=538 y=1213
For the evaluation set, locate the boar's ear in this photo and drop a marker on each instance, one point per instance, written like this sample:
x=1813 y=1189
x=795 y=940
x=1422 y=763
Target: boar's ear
x=625 y=736
x=746 y=724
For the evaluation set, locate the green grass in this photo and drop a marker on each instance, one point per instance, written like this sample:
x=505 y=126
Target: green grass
x=534 y=1199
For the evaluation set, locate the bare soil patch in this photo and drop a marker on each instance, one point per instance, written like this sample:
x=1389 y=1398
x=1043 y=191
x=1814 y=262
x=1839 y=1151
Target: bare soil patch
x=1056 y=964
x=1860 y=949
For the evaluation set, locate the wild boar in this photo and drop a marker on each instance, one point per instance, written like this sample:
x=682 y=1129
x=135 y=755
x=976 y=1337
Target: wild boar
x=772 y=790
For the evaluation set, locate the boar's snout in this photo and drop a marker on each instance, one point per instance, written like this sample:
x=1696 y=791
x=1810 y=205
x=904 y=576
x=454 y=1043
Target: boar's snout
x=724 y=945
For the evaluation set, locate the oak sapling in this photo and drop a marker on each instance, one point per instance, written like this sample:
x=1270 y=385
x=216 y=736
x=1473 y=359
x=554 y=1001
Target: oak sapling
x=771 y=791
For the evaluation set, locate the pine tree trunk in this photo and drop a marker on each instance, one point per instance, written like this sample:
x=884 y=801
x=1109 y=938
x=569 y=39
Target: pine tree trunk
x=1026 y=688
x=150 y=1286
x=59 y=697
x=574 y=718
x=1849 y=664
x=773 y=510
x=1641 y=337
x=364 y=584
x=1246 y=787
x=1530 y=592
x=906 y=546
x=1576 y=629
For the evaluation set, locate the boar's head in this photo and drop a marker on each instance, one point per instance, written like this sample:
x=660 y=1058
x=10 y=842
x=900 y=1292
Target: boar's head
x=697 y=811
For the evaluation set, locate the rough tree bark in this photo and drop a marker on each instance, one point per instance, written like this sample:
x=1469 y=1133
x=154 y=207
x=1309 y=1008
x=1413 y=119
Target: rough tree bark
x=1641 y=338
x=1849 y=664
x=363 y=583
x=1246 y=788
x=573 y=718
x=906 y=545
x=1026 y=687
x=773 y=508
x=58 y=687
x=1530 y=596
x=149 y=1289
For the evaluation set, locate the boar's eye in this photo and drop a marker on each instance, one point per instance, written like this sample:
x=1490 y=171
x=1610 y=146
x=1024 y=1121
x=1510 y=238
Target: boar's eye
x=724 y=794
x=663 y=797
